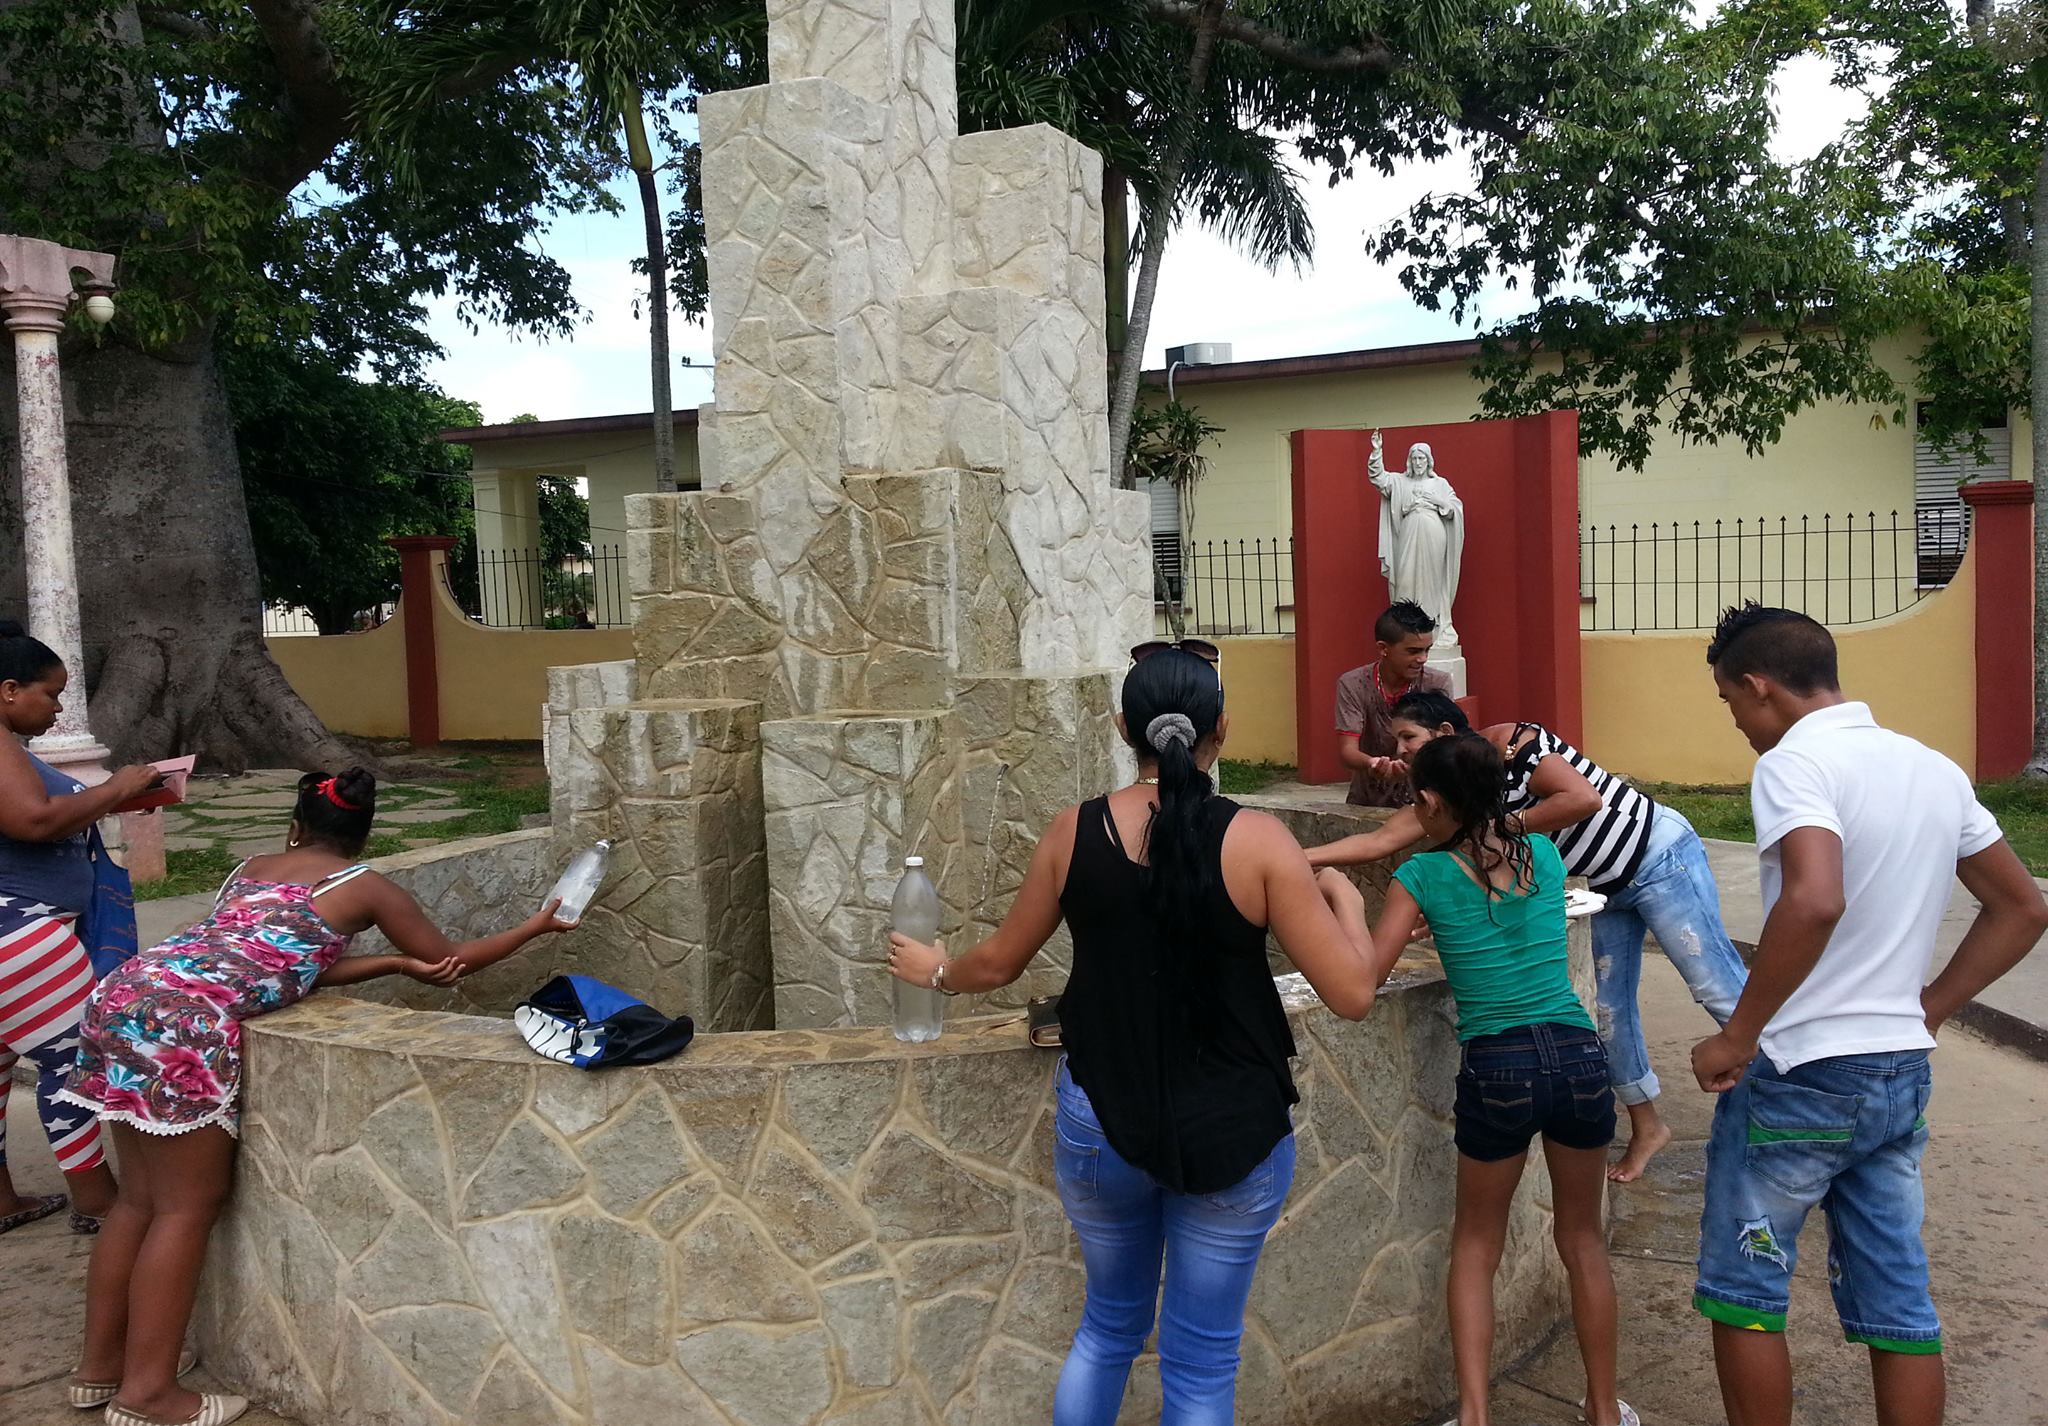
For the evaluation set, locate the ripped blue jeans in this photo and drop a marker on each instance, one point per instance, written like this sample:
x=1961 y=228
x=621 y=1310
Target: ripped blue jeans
x=1845 y=1135
x=1674 y=897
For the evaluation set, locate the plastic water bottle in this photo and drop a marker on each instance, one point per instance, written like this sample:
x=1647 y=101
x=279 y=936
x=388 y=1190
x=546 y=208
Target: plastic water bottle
x=580 y=882
x=920 y=1011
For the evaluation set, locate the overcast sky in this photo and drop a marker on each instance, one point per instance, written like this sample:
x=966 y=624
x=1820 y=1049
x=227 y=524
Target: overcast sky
x=1208 y=293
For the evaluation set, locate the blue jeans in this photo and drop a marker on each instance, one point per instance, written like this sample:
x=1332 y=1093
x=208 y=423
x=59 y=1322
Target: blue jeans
x=1674 y=896
x=1844 y=1133
x=1126 y=1223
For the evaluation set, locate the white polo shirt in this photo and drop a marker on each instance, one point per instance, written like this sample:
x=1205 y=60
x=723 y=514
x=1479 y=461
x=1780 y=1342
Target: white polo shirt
x=1906 y=815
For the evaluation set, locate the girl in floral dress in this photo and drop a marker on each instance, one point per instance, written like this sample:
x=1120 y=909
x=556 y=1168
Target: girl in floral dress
x=160 y=1062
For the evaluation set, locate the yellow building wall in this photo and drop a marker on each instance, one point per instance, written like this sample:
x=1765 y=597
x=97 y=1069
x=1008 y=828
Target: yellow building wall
x=1650 y=707
x=1832 y=459
x=354 y=682
x=1258 y=695
x=1652 y=714
x=493 y=681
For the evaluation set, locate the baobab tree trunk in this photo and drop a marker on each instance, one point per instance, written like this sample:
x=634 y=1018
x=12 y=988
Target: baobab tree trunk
x=175 y=658
x=1158 y=219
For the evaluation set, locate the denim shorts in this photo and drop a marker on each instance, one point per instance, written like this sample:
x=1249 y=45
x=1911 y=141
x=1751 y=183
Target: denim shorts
x=1535 y=1079
x=1845 y=1134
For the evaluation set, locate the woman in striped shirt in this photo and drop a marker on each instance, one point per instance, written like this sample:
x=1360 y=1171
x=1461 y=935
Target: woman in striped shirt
x=45 y=884
x=1643 y=857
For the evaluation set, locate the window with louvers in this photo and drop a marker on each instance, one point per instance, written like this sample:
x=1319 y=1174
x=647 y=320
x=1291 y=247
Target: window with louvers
x=1940 y=520
x=1166 y=548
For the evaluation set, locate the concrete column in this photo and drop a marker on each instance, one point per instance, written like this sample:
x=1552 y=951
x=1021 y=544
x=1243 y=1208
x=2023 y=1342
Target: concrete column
x=421 y=558
x=35 y=293
x=508 y=548
x=2002 y=549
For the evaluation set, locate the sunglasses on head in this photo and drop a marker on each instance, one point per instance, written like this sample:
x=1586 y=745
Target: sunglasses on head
x=1201 y=648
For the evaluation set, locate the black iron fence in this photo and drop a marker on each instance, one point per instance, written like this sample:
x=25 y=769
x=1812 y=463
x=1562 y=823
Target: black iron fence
x=1228 y=586
x=521 y=589
x=1840 y=569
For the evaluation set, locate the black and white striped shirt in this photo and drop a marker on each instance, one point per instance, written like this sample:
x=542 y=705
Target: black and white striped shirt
x=1607 y=848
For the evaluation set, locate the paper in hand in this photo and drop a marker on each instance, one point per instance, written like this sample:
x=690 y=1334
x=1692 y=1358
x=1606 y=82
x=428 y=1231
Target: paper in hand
x=176 y=771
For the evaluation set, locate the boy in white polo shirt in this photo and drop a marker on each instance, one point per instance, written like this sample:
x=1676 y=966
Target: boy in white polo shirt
x=1860 y=832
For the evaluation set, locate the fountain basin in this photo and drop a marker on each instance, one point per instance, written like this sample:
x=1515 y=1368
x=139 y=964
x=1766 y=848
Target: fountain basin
x=432 y=1225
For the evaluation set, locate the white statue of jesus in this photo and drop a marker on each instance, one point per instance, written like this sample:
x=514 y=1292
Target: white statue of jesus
x=1422 y=534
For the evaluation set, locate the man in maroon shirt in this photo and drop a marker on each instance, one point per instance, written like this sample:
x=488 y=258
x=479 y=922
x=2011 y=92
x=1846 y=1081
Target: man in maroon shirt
x=1365 y=699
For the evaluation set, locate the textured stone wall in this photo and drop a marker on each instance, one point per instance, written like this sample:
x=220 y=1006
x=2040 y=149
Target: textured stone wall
x=906 y=494
x=471 y=889
x=682 y=918
x=781 y=1228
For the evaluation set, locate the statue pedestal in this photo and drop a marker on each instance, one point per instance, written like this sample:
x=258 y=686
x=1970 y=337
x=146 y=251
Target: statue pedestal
x=1449 y=660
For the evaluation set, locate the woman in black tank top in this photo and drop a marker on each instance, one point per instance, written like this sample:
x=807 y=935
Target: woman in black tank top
x=1173 y=1143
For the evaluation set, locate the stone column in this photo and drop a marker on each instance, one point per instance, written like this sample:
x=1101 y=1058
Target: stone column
x=35 y=293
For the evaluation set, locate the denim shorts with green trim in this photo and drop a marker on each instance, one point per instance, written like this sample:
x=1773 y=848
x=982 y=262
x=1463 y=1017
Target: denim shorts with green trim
x=1845 y=1135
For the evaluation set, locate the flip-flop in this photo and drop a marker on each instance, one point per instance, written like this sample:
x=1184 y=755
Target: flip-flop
x=85 y=1225
x=44 y=1207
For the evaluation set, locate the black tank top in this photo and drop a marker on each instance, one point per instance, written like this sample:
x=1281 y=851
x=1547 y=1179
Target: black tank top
x=1180 y=1042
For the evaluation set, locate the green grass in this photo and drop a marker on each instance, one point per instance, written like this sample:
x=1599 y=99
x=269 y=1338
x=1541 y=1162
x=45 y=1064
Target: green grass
x=496 y=794
x=1240 y=778
x=2019 y=804
x=1714 y=811
x=190 y=873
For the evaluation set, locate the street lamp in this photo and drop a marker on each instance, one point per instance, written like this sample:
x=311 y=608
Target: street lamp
x=36 y=294
x=1194 y=354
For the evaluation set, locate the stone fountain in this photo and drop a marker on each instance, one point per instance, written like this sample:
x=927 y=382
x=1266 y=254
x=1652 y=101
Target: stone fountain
x=907 y=571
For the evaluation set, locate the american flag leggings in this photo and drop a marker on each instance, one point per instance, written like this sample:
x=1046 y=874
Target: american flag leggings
x=45 y=979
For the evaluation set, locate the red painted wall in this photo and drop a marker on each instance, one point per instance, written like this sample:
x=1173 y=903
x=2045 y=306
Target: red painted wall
x=1518 y=594
x=2002 y=545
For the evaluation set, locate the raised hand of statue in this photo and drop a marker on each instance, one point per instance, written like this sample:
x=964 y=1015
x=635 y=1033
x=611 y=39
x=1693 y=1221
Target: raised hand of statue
x=1376 y=463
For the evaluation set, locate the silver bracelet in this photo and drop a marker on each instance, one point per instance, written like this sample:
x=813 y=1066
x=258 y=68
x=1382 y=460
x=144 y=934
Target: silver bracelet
x=939 y=980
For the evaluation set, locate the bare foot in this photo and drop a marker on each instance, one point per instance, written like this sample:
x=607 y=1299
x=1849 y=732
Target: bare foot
x=1643 y=1145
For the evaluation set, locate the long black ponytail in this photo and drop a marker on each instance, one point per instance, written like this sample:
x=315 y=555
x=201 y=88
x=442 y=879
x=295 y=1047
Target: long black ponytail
x=1466 y=774
x=1172 y=703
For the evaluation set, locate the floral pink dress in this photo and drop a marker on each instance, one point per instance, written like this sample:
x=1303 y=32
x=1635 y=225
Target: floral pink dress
x=161 y=1046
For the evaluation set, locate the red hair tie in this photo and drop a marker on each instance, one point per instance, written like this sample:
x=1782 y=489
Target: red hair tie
x=327 y=791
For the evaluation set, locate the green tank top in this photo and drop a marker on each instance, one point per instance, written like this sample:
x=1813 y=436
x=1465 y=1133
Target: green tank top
x=1504 y=956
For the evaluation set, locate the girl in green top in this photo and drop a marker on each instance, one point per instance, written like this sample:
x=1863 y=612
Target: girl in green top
x=1532 y=1062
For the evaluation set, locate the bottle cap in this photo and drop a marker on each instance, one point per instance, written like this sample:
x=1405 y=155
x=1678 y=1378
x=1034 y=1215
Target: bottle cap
x=913 y=861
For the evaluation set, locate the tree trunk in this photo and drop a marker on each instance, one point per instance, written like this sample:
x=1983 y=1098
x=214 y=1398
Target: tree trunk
x=2037 y=765
x=641 y=157
x=173 y=614
x=1116 y=266
x=1158 y=219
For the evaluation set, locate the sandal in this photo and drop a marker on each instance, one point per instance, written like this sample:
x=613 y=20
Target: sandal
x=85 y=1225
x=40 y=1208
x=213 y=1411
x=92 y=1395
x=1628 y=1413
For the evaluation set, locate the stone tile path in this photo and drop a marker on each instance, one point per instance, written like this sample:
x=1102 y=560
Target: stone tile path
x=1986 y=1201
x=247 y=814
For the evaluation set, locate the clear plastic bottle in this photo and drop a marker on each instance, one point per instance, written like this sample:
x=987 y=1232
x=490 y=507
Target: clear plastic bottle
x=579 y=884
x=919 y=1011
